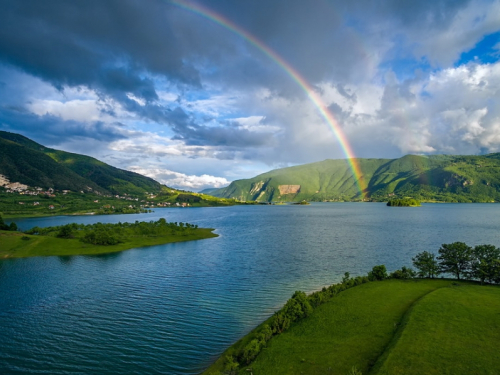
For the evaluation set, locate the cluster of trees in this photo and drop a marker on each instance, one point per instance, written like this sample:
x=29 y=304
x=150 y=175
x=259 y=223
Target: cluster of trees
x=481 y=262
x=12 y=226
x=112 y=234
x=403 y=202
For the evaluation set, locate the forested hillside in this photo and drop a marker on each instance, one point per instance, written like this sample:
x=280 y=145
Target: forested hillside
x=445 y=178
x=32 y=164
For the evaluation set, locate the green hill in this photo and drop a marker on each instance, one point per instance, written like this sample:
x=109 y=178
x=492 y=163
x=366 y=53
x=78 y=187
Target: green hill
x=445 y=178
x=389 y=327
x=27 y=162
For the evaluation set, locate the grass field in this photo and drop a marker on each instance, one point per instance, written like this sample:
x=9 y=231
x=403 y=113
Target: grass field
x=392 y=327
x=12 y=244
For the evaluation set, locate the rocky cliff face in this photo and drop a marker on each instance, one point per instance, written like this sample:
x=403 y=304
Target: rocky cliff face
x=289 y=189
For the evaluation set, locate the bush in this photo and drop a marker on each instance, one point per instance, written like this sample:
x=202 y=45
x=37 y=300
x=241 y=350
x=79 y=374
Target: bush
x=378 y=273
x=66 y=231
x=404 y=273
x=100 y=237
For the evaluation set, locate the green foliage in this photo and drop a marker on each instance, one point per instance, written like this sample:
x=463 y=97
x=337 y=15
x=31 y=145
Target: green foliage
x=251 y=351
x=66 y=231
x=455 y=258
x=378 y=273
x=346 y=278
x=485 y=263
x=426 y=264
x=100 y=237
x=231 y=365
x=404 y=273
x=404 y=202
x=11 y=227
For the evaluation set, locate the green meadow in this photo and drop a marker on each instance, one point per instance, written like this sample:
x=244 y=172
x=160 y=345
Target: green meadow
x=416 y=326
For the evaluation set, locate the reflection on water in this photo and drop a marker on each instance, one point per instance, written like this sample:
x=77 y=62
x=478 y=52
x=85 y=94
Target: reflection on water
x=173 y=308
x=65 y=259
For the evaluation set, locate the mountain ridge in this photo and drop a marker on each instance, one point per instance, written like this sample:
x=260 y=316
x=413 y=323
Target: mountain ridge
x=446 y=178
x=25 y=161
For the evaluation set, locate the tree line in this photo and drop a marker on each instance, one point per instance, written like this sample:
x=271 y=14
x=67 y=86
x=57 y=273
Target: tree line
x=481 y=262
x=112 y=234
x=12 y=226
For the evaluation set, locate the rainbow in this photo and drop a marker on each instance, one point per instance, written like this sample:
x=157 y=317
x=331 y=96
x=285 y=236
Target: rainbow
x=301 y=81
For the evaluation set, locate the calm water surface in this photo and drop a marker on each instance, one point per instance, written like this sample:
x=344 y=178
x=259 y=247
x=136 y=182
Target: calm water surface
x=172 y=309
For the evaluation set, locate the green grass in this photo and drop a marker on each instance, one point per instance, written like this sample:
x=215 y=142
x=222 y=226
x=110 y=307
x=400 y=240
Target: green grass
x=450 y=331
x=392 y=327
x=12 y=244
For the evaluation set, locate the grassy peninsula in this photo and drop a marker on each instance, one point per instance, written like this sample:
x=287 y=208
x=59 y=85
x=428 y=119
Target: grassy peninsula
x=79 y=239
x=388 y=327
x=398 y=323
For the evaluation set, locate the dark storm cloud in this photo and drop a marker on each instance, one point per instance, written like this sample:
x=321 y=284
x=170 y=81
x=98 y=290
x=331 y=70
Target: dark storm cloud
x=110 y=45
x=51 y=130
x=105 y=45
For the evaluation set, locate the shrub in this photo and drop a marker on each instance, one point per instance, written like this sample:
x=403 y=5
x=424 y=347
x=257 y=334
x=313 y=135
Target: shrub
x=378 y=273
x=404 y=273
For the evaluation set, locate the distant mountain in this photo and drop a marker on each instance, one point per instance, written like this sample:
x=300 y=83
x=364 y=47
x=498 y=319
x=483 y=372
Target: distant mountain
x=208 y=191
x=25 y=161
x=447 y=178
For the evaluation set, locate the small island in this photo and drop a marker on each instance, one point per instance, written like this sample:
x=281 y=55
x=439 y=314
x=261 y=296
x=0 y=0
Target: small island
x=99 y=238
x=303 y=203
x=404 y=202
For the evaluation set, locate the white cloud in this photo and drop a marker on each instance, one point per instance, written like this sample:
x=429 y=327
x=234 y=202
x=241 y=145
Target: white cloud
x=455 y=110
x=181 y=180
x=468 y=26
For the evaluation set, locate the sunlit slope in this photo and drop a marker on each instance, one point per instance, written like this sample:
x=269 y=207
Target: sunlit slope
x=449 y=331
x=34 y=168
x=393 y=327
x=433 y=178
x=327 y=179
x=28 y=162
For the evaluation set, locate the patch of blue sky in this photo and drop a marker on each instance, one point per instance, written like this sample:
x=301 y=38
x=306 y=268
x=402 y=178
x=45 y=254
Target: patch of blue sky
x=486 y=51
x=406 y=68
x=152 y=127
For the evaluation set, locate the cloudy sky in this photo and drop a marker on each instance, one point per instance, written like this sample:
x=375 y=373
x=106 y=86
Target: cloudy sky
x=169 y=90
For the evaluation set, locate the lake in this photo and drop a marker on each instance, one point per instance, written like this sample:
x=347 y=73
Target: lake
x=172 y=309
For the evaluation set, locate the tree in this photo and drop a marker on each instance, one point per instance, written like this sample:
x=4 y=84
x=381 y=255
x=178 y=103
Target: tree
x=346 y=278
x=426 y=264
x=378 y=273
x=483 y=265
x=231 y=365
x=66 y=231
x=455 y=258
x=3 y=226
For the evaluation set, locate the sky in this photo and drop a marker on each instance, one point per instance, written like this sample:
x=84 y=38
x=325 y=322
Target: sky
x=198 y=94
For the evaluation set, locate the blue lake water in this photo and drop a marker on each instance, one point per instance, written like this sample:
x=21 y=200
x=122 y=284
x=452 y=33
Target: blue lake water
x=172 y=309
